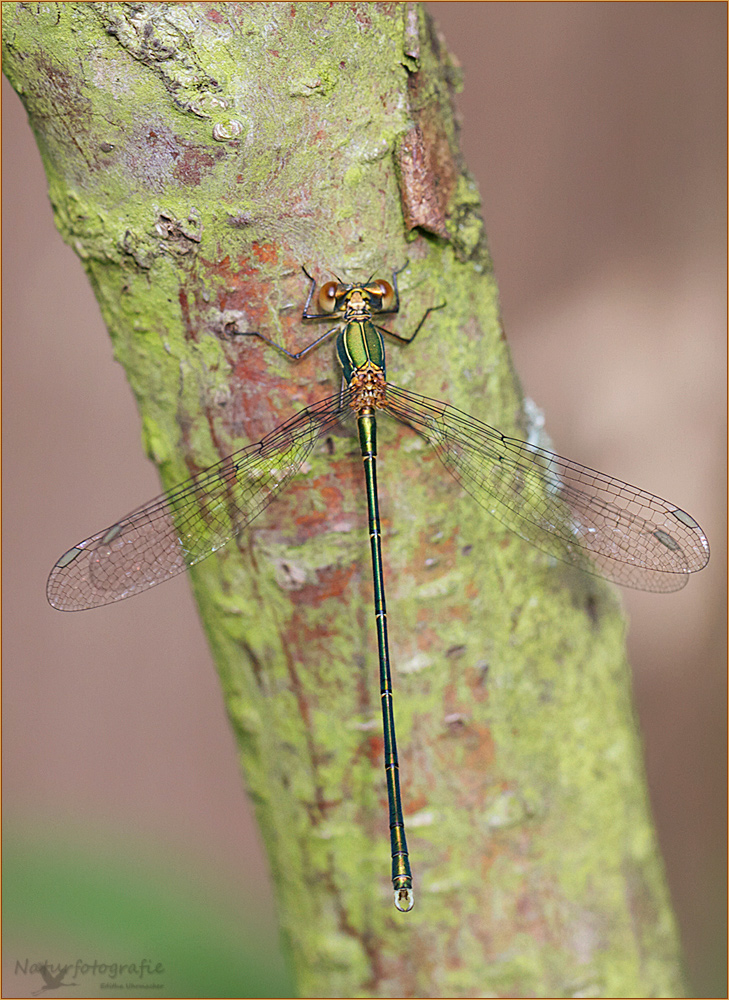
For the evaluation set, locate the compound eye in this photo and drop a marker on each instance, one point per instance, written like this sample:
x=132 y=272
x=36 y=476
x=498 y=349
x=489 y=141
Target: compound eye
x=328 y=296
x=387 y=292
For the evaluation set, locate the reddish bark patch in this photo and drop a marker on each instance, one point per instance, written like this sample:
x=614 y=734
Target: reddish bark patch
x=475 y=679
x=266 y=253
x=332 y=581
x=375 y=748
x=310 y=523
x=61 y=90
x=191 y=163
x=415 y=803
x=480 y=748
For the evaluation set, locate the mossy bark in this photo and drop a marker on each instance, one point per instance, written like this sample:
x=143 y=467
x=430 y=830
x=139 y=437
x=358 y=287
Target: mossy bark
x=197 y=155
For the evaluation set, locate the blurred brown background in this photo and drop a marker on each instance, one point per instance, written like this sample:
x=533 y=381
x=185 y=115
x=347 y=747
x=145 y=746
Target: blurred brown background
x=597 y=134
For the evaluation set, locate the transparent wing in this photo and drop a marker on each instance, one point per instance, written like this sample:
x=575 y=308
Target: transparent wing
x=183 y=526
x=574 y=513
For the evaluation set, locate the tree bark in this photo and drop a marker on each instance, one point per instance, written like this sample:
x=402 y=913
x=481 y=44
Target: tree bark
x=197 y=156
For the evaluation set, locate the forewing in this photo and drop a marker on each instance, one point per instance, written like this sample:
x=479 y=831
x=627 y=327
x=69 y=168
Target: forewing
x=188 y=523
x=578 y=515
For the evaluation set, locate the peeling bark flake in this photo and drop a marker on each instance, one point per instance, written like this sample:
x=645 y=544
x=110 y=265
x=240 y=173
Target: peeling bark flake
x=422 y=206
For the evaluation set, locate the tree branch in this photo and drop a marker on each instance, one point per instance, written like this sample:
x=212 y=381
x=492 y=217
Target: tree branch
x=197 y=155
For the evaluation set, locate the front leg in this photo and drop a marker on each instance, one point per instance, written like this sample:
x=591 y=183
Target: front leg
x=322 y=315
x=282 y=350
x=305 y=315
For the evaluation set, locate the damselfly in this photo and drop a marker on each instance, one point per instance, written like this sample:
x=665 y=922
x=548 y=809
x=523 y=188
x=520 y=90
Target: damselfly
x=576 y=514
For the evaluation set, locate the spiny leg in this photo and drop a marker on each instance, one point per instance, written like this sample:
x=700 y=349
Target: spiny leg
x=282 y=350
x=413 y=335
x=305 y=315
x=396 y=308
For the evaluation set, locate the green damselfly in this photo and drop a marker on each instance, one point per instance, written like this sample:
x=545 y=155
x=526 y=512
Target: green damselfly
x=574 y=513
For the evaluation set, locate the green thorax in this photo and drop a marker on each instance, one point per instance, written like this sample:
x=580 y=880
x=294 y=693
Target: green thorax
x=359 y=340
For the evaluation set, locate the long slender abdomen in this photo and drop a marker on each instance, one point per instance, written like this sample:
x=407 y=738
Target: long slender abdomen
x=402 y=880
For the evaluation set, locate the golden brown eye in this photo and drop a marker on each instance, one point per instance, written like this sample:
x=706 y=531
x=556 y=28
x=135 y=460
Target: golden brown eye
x=328 y=296
x=387 y=292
